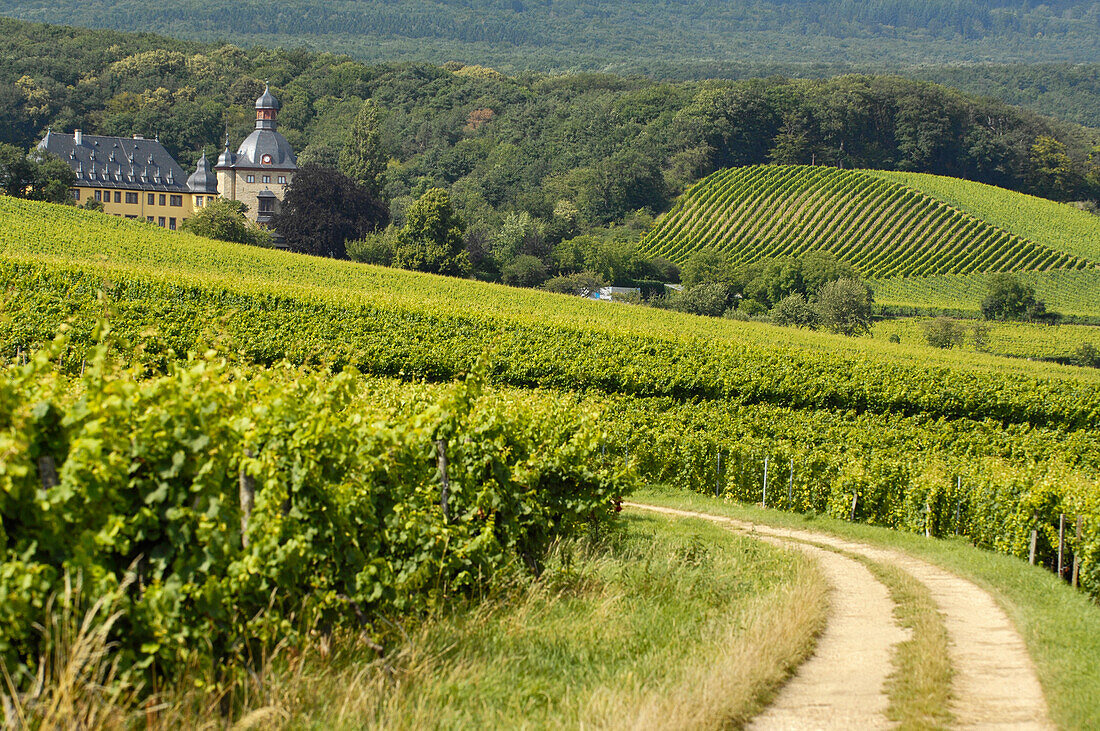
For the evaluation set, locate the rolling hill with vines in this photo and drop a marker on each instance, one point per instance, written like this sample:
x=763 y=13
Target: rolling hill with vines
x=924 y=239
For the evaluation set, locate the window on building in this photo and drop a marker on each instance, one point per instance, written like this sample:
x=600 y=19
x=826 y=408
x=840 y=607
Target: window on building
x=160 y=221
x=250 y=178
x=98 y=195
x=267 y=178
x=76 y=194
x=282 y=179
x=198 y=201
x=149 y=219
x=162 y=199
x=151 y=200
x=118 y=196
x=129 y=216
x=172 y=223
x=131 y=197
x=175 y=200
x=267 y=205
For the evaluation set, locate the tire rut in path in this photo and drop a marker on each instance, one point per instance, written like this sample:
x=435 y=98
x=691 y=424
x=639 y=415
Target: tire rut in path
x=995 y=683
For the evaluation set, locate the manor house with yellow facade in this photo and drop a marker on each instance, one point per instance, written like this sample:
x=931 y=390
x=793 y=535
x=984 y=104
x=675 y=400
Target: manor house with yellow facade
x=138 y=178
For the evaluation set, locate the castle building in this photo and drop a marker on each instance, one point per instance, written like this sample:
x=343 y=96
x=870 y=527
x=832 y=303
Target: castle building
x=137 y=178
x=263 y=166
x=131 y=177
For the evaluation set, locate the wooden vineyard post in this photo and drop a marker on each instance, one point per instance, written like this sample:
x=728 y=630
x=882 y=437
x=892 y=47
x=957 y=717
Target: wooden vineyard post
x=1076 y=548
x=855 y=497
x=790 y=487
x=1061 y=541
x=718 y=475
x=1034 y=539
x=764 y=501
x=247 y=491
x=958 y=502
x=445 y=488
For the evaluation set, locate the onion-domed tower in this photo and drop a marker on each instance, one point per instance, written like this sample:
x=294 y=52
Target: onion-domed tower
x=263 y=166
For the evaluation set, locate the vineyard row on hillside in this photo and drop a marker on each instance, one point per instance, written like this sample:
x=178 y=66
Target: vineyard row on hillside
x=883 y=228
x=264 y=328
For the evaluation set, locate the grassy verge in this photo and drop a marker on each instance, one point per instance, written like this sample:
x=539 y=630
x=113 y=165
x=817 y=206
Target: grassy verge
x=920 y=686
x=1060 y=626
x=662 y=624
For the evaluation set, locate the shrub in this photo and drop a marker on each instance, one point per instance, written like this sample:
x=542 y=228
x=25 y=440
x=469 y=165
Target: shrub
x=943 y=332
x=710 y=299
x=582 y=284
x=794 y=310
x=844 y=306
x=524 y=271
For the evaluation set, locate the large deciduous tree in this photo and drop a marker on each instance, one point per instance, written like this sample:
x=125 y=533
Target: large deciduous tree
x=432 y=238
x=324 y=209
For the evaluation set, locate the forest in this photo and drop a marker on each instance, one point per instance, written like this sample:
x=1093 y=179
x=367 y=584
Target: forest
x=625 y=36
x=596 y=148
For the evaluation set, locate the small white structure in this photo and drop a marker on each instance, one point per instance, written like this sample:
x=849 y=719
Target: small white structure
x=610 y=294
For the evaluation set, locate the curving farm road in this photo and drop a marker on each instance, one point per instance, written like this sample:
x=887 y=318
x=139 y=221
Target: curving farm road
x=842 y=685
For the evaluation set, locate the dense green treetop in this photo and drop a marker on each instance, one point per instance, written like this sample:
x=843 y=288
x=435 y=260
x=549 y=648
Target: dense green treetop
x=628 y=35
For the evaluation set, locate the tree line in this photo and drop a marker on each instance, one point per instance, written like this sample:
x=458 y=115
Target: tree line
x=536 y=167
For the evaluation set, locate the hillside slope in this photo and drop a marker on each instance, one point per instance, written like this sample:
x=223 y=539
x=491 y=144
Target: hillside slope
x=882 y=227
x=1055 y=225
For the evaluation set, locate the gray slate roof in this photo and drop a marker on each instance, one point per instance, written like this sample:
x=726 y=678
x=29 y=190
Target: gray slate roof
x=267 y=100
x=203 y=180
x=264 y=142
x=117 y=162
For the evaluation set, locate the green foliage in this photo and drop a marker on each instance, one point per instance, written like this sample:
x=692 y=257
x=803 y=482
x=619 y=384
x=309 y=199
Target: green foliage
x=844 y=306
x=35 y=176
x=1008 y=299
x=431 y=239
x=524 y=271
x=362 y=158
x=347 y=525
x=374 y=248
x=711 y=299
x=794 y=311
x=581 y=284
x=843 y=220
x=706 y=265
x=224 y=220
x=1087 y=355
x=943 y=332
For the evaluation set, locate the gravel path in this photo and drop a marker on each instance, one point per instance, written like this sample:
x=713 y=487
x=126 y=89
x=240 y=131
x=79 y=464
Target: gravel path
x=995 y=684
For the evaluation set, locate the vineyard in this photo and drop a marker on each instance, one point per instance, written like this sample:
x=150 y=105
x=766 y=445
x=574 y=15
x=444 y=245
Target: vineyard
x=1055 y=225
x=331 y=389
x=1069 y=292
x=886 y=229
x=1013 y=339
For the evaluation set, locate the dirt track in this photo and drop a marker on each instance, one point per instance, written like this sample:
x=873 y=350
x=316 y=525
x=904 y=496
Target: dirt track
x=842 y=684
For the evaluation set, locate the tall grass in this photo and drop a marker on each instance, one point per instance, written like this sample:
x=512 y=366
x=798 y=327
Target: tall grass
x=658 y=625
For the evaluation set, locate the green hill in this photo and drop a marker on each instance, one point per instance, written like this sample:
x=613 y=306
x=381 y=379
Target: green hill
x=1055 y=225
x=926 y=240
x=893 y=421
x=882 y=227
